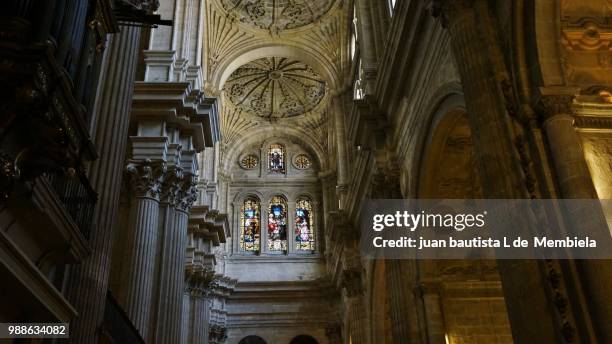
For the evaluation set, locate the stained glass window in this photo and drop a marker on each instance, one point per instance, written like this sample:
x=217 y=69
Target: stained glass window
x=249 y=240
x=277 y=224
x=304 y=228
x=276 y=158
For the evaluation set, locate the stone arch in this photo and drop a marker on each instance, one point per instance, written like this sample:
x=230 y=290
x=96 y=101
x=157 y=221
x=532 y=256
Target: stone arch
x=448 y=97
x=447 y=169
x=252 y=340
x=304 y=339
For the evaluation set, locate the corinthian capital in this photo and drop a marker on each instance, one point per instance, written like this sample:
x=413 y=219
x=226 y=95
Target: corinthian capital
x=171 y=186
x=145 y=177
x=188 y=192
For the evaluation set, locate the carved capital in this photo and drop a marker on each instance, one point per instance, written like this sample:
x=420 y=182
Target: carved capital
x=145 y=177
x=171 y=186
x=188 y=192
x=556 y=100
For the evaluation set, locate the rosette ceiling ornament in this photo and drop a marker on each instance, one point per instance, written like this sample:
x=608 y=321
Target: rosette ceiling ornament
x=277 y=14
x=275 y=87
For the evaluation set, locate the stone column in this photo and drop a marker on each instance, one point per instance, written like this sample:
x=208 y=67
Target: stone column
x=89 y=280
x=527 y=301
x=575 y=182
x=199 y=319
x=402 y=306
x=572 y=171
x=430 y=299
x=340 y=131
x=172 y=277
x=138 y=269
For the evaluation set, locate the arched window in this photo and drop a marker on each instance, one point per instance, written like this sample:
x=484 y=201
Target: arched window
x=277 y=224
x=304 y=339
x=250 y=220
x=252 y=340
x=391 y=6
x=304 y=225
x=276 y=158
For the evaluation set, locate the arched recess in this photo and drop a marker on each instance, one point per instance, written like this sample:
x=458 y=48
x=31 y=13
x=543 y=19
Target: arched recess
x=252 y=340
x=303 y=339
x=448 y=170
x=292 y=50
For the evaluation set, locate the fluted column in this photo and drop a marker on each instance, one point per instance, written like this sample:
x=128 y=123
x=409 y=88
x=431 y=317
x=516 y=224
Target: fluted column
x=199 y=321
x=138 y=269
x=89 y=280
x=172 y=276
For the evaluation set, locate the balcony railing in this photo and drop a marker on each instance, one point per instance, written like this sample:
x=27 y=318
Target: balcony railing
x=78 y=197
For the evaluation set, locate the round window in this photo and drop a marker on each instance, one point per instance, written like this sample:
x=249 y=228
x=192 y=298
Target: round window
x=302 y=161
x=249 y=162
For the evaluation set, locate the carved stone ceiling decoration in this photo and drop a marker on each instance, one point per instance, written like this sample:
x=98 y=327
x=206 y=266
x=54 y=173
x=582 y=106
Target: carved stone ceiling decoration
x=275 y=87
x=277 y=14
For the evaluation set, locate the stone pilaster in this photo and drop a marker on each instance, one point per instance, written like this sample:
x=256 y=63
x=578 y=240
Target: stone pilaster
x=89 y=280
x=138 y=269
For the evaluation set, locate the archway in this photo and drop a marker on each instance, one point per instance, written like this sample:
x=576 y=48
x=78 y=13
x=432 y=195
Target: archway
x=304 y=339
x=449 y=170
x=252 y=340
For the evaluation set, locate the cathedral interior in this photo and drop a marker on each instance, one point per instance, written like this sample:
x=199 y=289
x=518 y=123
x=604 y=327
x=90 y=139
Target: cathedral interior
x=193 y=171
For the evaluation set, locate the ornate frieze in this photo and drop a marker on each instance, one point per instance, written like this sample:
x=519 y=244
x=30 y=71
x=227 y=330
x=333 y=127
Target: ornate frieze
x=146 y=177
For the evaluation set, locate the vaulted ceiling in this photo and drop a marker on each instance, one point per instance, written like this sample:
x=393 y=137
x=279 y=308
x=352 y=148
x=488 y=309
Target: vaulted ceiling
x=276 y=63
